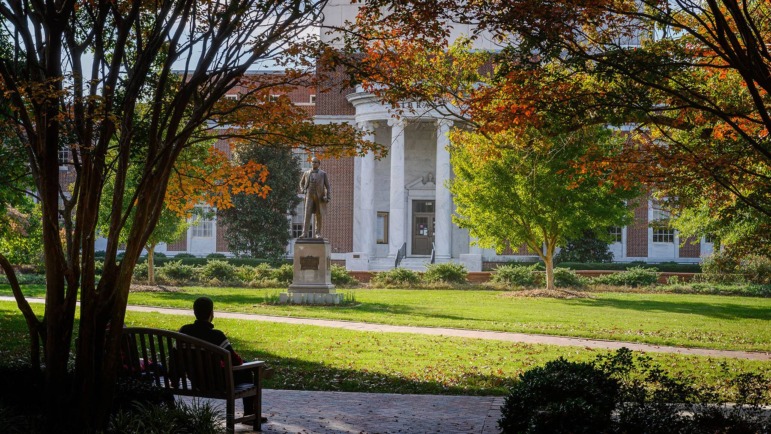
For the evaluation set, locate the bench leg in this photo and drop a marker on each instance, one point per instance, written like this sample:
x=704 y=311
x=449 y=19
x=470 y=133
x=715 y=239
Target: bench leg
x=230 y=416
x=258 y=401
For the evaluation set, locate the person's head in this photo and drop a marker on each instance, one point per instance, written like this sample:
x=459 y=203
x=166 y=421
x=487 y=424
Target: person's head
x=315 y=162
x=203 y=308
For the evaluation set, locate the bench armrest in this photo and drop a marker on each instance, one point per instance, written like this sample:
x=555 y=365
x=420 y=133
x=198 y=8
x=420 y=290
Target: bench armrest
x=249 y=366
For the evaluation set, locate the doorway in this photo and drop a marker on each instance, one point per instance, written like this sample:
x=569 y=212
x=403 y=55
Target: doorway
x=423 y=219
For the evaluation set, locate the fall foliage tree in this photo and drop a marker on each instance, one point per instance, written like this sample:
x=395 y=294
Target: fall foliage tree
x=516 y=187
x=690 y=79
x=81 y=73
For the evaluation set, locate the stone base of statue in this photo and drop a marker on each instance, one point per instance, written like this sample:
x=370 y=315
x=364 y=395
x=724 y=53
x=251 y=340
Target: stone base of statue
x=312 y=282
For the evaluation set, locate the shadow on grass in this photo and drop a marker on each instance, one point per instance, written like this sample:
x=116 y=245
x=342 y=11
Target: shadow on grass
x=726 y=311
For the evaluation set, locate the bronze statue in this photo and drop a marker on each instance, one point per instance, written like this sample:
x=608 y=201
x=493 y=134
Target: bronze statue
x=315 y=185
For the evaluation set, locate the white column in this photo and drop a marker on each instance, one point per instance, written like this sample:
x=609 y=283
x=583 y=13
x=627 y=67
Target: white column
x=396 y=214
x=364 y=216
x=443 y=224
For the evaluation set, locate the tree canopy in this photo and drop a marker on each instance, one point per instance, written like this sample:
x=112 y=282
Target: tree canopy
x=690 y=80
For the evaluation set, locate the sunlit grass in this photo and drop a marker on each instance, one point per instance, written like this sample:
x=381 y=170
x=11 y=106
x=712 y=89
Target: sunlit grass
x=691 y=320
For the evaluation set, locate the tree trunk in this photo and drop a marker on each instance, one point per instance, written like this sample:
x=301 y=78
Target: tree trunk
x=151 y=264
x=548 y=261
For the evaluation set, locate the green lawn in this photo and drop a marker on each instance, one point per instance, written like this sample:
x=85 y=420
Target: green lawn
x=318 y=358
x=707 y=321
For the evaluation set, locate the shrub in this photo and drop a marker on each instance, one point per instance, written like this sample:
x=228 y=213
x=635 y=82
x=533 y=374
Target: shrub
x=216 y=256
x=140 y=271
x=720 y=267
x=567 y=278
x=175 y=271
x=283 y=274
x=519 y=275
x=560 y=397
x=200 y=417
x=756 y=269
x=340 y=276
x=184 y=256
x=220 y=270
x=397 y=277
x=585 y=249
x=635 y=276
x=448 y=272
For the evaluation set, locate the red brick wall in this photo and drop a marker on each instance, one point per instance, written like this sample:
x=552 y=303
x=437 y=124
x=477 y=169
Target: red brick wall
x=178 y=246
x=691 y=248
x=332 y=101
x=637 y=232
x=222 y=244
x=338 y=226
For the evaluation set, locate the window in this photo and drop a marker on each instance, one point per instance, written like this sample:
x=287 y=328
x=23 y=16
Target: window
x=710 y=238
x=203 y=226
x=663 y=235
x=65 y=157
x=313 y=99
x=232 y=96
x=382 y=227
x=297 y=230
x=273 y=98
x=615 y=234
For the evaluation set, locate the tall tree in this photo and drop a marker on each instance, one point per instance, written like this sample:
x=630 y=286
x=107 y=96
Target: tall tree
x=525 y=188
x=259 y=227
x=84 y=70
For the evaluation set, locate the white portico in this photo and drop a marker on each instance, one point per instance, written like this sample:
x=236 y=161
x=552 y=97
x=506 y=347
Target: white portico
x=402 y=199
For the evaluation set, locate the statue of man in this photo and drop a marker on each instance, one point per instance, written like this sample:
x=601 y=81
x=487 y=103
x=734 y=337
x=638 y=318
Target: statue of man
x=315 y=185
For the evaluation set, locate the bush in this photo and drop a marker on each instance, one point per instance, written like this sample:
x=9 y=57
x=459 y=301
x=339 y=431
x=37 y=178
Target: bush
x=567 y=278
x=283 y=274
x=140 y=272
x=397 y=277
x=184 y=256
x=720 y=267
x=200 y=417
x=519 y=275
x=448 y=272
x=175 y=271
x=624 y=393
x=560 y=397
x=756 y=269
x=220 y=270
x=636 y=276
x=585 y=249
x=216 y=256
x=340 y=276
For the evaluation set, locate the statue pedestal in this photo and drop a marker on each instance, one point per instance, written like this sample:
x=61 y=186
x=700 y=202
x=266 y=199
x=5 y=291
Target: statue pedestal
x=312 y=282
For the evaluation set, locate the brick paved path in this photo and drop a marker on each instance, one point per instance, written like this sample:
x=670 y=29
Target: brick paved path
x=295 y=411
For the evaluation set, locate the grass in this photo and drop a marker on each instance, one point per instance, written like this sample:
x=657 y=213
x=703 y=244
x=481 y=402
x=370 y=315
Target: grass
x=689 y=320
x=318 y=358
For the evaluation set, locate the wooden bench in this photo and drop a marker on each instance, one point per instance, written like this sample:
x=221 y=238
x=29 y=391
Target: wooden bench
x=187 y=366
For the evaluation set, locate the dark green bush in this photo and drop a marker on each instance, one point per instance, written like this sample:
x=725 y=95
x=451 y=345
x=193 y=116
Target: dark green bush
x=200 y=417
x=585 y=249
x=636 y=276
x=396 y=277
x=519 y=275
x=560 y=397
x=216 y=256
x=184 y=255
x=448 y=272
x=341 y=277
x=220 y=270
